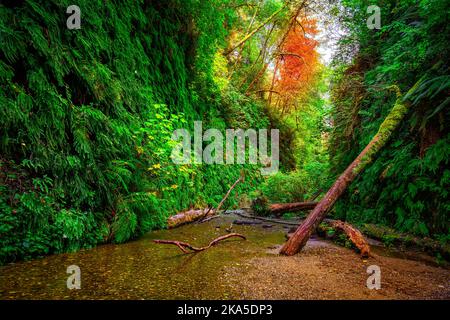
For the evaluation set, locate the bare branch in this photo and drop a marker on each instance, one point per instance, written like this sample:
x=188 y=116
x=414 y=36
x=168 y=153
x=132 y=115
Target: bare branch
x=184 y=245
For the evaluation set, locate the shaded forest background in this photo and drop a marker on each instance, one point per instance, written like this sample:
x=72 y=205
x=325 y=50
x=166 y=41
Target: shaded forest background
x=87 y=115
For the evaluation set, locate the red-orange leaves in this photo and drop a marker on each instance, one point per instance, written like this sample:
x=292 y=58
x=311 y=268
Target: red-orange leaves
x=297 y=62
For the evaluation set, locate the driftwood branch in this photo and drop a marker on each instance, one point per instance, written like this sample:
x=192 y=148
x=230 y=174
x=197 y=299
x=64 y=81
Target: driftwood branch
x=184 y=245
x=228 y=193
x=210 y=213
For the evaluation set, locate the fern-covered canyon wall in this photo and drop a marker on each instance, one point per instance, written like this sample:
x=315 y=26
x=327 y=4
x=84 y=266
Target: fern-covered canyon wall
x=87 y=117
x=407 y=185
x=87 y=114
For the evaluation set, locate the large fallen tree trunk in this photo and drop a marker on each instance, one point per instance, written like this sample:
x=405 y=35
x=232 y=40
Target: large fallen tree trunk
x=354 y=235
x=193 y=215
x=186 y=217
x=261 y=207
x=325 y=229
x=280 y=208
x=184 y=245
x=198 y=214
x=309 y=225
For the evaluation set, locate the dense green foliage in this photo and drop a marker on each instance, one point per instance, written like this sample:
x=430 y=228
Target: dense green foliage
x=407 y=185
x=87 y=117
x=309 y=173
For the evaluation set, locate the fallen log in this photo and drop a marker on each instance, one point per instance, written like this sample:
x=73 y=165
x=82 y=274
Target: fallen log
x=354 y=235
x=261 y=207
x=184 y=245
x=310 y=224
x=186 y=217
x=197 y=214
x=288 y=223
x=279 y=208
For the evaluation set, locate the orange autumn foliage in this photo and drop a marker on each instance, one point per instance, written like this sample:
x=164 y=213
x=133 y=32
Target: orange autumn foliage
x=296 y=65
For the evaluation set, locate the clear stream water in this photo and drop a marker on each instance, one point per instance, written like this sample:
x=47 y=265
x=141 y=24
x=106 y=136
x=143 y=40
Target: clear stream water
x=142 y=269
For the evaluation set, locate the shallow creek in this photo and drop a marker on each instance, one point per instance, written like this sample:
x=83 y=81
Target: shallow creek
x=233 y=269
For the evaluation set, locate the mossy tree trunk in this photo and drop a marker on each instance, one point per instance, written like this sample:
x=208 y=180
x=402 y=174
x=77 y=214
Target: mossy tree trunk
x=298 y=240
